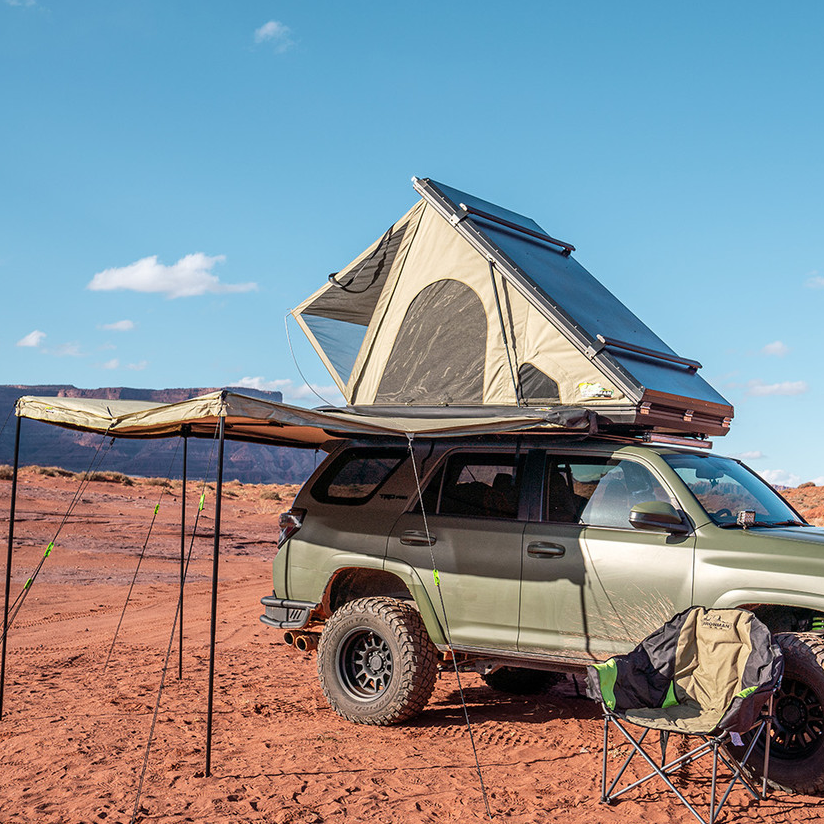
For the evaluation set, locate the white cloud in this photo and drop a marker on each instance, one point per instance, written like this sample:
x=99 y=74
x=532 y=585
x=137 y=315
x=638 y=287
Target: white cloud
x=295 y=393
x=139 y=366
x=191 y=275
x=777 y=348
x=66 y=350
x=758 y=388
x=753 y=455
x=780 y=477
x=27 y=3
x=276 y=33
x=34 y=338
x=119 y=326
x=814 y=280
x=114 y=363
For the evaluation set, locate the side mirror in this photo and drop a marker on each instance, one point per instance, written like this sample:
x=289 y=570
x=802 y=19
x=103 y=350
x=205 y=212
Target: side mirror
x=657 y=515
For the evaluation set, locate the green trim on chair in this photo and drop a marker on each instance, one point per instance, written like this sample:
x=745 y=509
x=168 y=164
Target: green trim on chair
x=607 y=676
x=670 y=700
x=747 y=691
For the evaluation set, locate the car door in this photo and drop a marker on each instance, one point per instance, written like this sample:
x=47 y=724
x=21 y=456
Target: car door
x=613 y=584
x=472 y=515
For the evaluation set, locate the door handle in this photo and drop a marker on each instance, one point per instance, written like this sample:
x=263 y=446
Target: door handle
x=542 y=549
x=414 y=538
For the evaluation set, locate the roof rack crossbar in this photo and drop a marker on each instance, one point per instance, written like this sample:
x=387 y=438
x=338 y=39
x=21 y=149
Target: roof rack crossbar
x=613 y=343
x=567 y=248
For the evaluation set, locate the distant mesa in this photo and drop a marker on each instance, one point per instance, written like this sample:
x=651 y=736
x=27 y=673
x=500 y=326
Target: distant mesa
x=46 y=445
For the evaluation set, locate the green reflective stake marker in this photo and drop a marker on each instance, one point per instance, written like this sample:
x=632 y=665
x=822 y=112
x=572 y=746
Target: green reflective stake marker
x=202 y=502
x=49 y=548
x=436 y=577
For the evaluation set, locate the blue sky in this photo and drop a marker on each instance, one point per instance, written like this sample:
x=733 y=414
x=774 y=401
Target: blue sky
x=176 y=176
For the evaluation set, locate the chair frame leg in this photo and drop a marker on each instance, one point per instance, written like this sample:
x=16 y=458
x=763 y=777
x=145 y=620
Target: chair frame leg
x=716 y=745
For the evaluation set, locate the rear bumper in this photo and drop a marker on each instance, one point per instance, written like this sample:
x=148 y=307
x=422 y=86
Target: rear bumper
x=283 y=614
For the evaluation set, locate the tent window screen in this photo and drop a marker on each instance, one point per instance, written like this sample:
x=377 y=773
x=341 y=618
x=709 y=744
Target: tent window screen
x=356 y=475
x=537 y=386
x=478 y=485
x=339 y=317
x=597 y=491
x=440 y=350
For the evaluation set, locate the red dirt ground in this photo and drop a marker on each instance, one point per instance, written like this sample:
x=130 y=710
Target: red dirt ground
x=74 y=733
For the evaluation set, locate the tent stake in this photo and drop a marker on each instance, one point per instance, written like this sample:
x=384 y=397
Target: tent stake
x=185 y=432
x=215 y=560
x=8 y=563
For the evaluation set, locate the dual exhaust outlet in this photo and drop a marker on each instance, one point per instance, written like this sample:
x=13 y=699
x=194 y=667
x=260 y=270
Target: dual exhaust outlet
x=302 y=641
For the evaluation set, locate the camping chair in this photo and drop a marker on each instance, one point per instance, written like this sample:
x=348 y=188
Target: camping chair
x=707 y=673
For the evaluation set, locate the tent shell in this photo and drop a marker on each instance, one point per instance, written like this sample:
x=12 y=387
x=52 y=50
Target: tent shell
x=466 y=306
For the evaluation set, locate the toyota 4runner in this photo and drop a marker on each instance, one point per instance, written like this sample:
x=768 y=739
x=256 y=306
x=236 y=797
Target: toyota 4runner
x=524 y=558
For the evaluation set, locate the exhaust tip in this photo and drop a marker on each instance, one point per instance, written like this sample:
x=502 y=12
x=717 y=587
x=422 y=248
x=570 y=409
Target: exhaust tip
x=289 y=638
x=306 y=643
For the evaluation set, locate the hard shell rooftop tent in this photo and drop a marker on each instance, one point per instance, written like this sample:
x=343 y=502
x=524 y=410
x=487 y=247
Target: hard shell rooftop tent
x=467 y=306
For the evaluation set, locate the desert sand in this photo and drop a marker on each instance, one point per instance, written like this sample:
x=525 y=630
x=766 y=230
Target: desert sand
x=74 y=734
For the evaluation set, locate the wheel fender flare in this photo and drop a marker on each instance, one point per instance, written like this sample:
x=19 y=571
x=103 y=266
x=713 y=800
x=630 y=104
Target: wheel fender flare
x=776 y=597
x=401 y=570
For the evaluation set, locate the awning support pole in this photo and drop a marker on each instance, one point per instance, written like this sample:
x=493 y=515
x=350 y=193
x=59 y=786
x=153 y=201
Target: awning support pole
x=215 y=560
x=185 y=433
x=8 y=563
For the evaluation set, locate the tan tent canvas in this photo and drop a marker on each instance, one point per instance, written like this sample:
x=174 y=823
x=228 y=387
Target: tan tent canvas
x=464 y=305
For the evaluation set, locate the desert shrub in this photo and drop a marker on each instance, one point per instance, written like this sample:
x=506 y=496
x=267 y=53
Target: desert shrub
x=111 y=477
x=53 y=471
x=6 y=472
x=164 y=482
x=270 y=495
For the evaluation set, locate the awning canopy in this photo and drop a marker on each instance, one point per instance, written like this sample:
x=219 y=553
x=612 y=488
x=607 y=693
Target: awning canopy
x=260 y=421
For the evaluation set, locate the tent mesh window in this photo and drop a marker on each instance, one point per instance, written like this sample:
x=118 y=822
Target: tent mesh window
x=339 y=317
x=537 y=387
x=439 y=353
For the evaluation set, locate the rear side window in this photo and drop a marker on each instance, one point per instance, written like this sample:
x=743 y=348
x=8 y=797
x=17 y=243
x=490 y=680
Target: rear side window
x=355 y=475
x=477 y=485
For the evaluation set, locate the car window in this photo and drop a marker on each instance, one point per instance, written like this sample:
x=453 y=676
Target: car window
x=355 y=475
x=485 y=485
x=725 y=487
x=597 y=491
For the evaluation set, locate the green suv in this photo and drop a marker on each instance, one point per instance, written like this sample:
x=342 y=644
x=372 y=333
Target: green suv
x=523 y=558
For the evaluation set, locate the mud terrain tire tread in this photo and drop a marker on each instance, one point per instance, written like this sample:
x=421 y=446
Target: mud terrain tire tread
x=803 y=661
x=415 y=660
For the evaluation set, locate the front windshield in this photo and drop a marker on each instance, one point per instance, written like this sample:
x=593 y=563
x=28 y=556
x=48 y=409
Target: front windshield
x=725 y=487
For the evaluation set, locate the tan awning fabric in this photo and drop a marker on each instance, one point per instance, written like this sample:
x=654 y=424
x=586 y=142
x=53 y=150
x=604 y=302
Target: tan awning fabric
x=252 y=419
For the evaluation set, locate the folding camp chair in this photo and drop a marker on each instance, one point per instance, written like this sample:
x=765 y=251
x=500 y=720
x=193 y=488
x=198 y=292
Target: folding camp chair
x=707 y=673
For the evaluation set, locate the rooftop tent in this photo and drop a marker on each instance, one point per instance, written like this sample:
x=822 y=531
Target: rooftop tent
x=466 y=305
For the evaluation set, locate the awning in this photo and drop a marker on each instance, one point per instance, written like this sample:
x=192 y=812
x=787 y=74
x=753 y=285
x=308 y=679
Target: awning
x=260 y=421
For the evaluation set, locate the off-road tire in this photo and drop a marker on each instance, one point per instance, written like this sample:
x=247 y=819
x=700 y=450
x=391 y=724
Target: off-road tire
x=797 y=744
x=521 y=681
x=376 y=662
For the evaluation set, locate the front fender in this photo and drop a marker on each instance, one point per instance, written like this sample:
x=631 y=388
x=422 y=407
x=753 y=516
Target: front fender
x=776 y=597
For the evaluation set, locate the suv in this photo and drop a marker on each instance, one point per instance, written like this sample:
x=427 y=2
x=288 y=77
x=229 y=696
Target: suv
x=523 y=558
